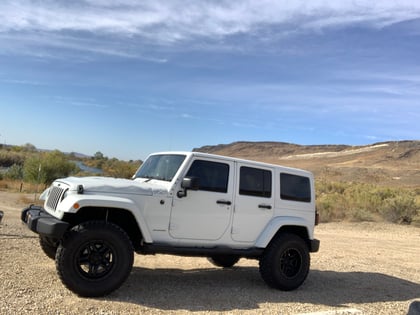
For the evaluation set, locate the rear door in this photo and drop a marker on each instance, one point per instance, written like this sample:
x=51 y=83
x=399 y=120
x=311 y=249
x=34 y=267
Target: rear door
x=205 y=214
x=254 y=201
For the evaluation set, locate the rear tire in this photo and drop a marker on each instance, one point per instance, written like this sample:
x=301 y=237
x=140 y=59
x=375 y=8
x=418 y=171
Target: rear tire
x=285 y=263
x=94 y=258
x=225 y=261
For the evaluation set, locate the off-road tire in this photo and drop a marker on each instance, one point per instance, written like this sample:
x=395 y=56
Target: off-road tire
x=285 y=262
x=49 y=246
x=225 y=261
x=94 y=258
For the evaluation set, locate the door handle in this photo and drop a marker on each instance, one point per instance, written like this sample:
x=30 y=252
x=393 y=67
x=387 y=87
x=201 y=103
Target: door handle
x=262 y=206
x=223 y=202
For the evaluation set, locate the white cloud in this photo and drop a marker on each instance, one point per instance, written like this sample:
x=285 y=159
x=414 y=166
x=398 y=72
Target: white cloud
x=77 y=102
x=166 y=22
x=186 y=116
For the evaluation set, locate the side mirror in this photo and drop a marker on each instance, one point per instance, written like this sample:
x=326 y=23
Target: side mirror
x=192 y=183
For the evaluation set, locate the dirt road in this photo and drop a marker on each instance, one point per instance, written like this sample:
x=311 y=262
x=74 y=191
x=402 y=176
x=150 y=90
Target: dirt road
x=362 y=268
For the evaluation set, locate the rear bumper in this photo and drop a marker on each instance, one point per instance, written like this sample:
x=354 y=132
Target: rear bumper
x=43 y=223
x=314 y=245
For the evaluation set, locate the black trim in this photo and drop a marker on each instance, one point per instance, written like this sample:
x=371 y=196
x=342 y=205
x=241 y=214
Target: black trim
x=43 y=223
x=152 y=249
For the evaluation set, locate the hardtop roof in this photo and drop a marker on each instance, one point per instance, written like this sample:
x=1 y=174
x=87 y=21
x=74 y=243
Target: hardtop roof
x=234 y=159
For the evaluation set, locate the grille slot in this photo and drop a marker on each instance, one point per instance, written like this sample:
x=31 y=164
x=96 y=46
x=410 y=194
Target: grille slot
x=54 y=197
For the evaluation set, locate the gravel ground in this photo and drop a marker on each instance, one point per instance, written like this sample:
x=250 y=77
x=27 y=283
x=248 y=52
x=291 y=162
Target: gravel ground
x=362 y=268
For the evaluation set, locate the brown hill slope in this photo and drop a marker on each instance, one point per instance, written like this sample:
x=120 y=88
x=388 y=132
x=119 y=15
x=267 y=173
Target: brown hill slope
x=387 y=163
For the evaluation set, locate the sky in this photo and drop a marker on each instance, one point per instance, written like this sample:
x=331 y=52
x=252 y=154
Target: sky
x=128 y=78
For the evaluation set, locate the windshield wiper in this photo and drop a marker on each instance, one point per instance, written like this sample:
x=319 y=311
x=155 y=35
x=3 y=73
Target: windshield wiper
x=149 y=178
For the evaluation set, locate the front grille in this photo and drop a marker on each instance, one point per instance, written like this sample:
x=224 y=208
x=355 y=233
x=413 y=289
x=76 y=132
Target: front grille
x=54 y=197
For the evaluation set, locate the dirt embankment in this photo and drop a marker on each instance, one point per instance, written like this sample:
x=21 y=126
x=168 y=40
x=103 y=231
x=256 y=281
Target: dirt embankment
x=363 y=268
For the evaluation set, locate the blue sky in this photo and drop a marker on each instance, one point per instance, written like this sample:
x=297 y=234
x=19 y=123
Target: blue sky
x=128 y=78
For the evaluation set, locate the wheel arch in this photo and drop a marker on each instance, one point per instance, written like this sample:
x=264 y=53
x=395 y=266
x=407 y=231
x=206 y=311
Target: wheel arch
x=291 y=225
x=119 y=216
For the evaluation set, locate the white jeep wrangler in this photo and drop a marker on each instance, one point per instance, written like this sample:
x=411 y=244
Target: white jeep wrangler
x=182 y=203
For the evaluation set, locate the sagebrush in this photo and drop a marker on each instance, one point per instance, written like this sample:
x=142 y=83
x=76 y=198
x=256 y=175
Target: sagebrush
x=337 y=201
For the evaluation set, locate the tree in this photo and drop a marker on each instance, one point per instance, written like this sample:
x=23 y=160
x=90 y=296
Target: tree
x=98 y=156
x=121 y=169
x=98 y=160
x=47 y=167
x=29 y=147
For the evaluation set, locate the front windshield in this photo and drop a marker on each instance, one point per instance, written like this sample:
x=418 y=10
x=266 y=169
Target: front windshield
x=161 y=167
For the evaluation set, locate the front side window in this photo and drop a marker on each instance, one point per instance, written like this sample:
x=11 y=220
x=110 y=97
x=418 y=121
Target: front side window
x=161 y=167
x=295 y=187
x=255 y=182
x=213 y=176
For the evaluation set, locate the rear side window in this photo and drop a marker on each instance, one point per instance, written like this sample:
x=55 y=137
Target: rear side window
x=213 y=176
x=295 y=187
x=255 y=182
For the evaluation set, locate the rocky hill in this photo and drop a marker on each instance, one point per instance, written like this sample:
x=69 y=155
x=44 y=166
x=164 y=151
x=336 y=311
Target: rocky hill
x=386 y=163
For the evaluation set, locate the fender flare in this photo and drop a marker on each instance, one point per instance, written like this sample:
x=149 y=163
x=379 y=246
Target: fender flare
x=275 y=225
x=103 y=201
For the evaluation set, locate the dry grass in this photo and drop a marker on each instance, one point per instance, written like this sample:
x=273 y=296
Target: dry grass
x=20 y=186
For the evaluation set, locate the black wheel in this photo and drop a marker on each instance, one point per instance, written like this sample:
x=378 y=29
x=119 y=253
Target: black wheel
x=225 y=261
x=49 y=246
x=94 y=258
x=285 y=263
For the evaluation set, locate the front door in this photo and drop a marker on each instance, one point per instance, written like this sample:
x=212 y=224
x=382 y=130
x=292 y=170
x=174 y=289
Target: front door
x=205 y=213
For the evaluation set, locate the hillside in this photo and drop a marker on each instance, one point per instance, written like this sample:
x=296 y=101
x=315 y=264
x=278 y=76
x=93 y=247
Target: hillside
x=387 y=163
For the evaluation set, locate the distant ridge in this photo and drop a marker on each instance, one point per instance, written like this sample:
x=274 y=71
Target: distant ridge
x=392 y=163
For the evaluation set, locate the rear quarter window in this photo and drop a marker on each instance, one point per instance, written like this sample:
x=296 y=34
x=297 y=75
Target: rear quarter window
x=295 y=187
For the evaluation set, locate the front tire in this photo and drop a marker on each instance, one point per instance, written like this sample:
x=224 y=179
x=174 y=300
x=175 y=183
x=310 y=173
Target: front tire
x=94 y=258
x=285 y=263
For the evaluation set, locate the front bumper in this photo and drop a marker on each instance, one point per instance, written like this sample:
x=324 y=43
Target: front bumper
x=314 y=246
x=43 y=223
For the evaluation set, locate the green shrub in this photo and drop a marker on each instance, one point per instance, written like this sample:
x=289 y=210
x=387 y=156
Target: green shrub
x=331 y=207
x=366 y=202
x=14 y=172
x=7 y=159
x=401 y=208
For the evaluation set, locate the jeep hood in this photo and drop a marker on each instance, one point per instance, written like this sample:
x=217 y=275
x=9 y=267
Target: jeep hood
x=108 y=185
